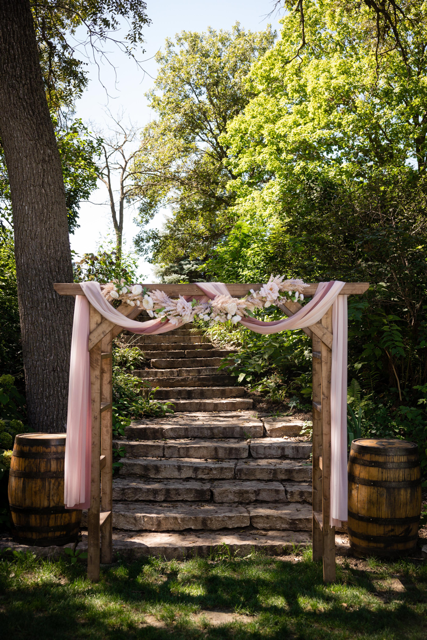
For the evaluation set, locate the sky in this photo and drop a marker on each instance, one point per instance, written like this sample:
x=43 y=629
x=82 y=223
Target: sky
x=121 y=92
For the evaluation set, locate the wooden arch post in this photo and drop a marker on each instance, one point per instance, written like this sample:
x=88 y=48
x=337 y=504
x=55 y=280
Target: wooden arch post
x=102 y=333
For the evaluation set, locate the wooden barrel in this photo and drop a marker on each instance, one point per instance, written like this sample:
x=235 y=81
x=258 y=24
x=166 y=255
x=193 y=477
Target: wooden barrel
x=36 y=492
x=384 y=497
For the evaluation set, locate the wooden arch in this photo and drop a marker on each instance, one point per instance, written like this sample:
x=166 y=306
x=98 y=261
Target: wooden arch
x=102 y=333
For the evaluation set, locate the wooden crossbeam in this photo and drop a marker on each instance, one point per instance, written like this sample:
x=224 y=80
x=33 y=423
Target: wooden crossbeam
x=236 y=290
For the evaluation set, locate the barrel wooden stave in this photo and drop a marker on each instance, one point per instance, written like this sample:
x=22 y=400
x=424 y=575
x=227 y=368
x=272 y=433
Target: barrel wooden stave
x=36 y=492
x=384 y=497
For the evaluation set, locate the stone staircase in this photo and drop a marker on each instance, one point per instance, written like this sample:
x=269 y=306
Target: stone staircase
x=213 y=473
x=184 y=365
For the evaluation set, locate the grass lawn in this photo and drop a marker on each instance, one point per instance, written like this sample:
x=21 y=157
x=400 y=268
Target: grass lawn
x=216 y=598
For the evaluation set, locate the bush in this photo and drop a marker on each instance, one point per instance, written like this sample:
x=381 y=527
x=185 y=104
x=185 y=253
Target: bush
x=131 y=398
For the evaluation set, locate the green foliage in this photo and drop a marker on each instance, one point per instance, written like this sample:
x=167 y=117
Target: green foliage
x=277 y=365
x=131 y=399
x=78 y=152
x=105 y=266
x=199 y=88
x=12 y=403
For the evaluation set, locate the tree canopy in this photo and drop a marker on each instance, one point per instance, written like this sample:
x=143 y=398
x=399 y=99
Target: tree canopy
x=199 y=89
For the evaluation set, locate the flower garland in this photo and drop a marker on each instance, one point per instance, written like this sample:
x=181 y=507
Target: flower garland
x=221 y=309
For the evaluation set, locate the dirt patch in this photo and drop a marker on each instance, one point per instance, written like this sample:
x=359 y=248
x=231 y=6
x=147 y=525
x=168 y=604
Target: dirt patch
x=203 y=618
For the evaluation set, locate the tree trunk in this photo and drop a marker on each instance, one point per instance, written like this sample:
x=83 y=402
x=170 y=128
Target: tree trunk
x=42 y=246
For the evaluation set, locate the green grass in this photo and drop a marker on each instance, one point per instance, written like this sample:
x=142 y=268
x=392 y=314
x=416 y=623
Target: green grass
x=155 y=599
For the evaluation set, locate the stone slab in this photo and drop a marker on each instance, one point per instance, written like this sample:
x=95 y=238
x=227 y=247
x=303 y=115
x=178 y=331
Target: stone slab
x=144 y=449
x=178 y=468
x=265 y=469
x=277 y=427
x=279 y=448
x=290 y=516
x=298 y=492
x=151 y=491
x=135 y=516
x=171 y=363
x=229 y=404
x=186 y=544
x=212 y=449
x=244 y=430
x=193 y=381
x=242 y=492
x=164 y=373
x=199 y=393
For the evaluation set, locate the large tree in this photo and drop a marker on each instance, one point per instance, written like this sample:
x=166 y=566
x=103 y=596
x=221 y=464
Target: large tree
x=37 y=189
x=199 y=89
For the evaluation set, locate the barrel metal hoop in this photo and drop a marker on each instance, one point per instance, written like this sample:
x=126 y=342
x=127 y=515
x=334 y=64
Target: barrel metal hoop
x=410 y=448
x=384 y=483
x=384 y=521
x=381 y=552
x=36 y=475
x=382 y=539
x=38 y=511
x=409 y=464
x=31 y=455
x=67 y=528
x=45 y=542
x=25 y=441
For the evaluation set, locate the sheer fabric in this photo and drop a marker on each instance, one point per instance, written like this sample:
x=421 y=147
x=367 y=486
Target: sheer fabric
x=78 y=449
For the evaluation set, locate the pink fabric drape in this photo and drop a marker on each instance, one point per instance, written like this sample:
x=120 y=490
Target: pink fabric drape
x=78 y=450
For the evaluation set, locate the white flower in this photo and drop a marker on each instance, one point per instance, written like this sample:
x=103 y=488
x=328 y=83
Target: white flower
x=269 y=291
x=267 y=304
x=173 y=320
x=150 y=313
x=235 y=319
x=296 y=296
x=301 y=297
x=231 y=308
x=291 y=293
x=138 y=303
x=136 y=289
x=187 y=318
x=123 y=291
x=184 y=308
x=114 y=294
x=147 y=302
x=131 y=302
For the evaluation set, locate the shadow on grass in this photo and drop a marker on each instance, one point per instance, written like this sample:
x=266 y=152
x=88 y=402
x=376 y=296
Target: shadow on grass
x=52 y=600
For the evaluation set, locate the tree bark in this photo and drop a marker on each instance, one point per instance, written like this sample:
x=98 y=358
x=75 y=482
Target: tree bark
x=42 y=246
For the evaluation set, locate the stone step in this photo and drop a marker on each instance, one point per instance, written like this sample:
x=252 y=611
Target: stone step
x=153 y=431
x=200 y=449
x=161 y=348
x=266 y=469
x=231 y=404
x=215 y=449
x=192 y=468
x=186 y=363
x=229 y=491
x=292 y=516
x=195 y=381
x=196 y=393
x=161 y=491
x=279 y=448
x=171 y=338
x=177 y=373
x=178 y=516
x=187 y=544
x=187 y=353
x=178 y=468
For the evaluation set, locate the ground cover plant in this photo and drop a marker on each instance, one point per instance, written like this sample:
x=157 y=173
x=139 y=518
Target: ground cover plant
x=221 y=597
